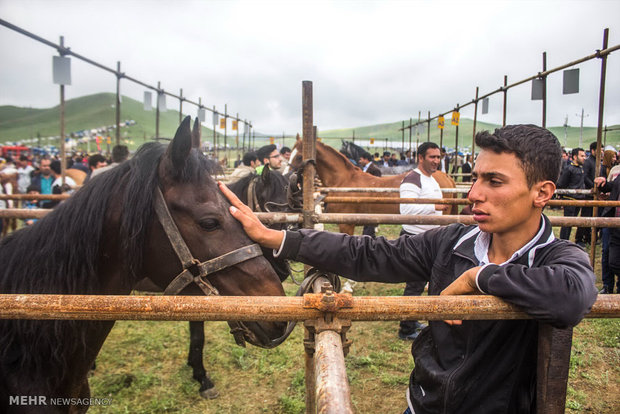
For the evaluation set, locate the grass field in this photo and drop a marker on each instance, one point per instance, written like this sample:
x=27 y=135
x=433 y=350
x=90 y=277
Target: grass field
x=142 y=366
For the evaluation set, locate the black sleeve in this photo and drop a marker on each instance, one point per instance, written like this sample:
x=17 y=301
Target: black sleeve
x=564 y=178
x=560 y=292
x=364 y=258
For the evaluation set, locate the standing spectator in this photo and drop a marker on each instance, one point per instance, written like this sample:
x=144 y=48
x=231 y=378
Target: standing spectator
x=573 y=178
x=584 y=234
x=609 y=160
x=466 y=169
x=269 y=156
x=285 y=152
x=419 y=183
x=44 y=180
x=369 y=167
x=385 y=161
x=394 y=160
x=612 y=272
x=247 y=167
x=565 y=161
x=366 y=164
x=119 y=154
x=24 y=173
x=31 y=189
x=95 y=161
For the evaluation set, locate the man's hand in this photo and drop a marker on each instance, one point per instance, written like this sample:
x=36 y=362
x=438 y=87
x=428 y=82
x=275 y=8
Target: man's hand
x=600 y=181
x=465 y=284
x=251 y=224
x=443 y=207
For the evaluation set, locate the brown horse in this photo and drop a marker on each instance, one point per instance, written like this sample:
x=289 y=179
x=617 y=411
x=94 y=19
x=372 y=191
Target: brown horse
x=335 y=170
x=114 y=231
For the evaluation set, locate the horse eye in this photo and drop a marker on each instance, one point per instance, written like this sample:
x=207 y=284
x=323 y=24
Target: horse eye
x=209 y=224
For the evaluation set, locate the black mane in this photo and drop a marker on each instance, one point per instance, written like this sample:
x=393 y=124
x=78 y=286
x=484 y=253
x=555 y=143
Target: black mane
x=59 y=255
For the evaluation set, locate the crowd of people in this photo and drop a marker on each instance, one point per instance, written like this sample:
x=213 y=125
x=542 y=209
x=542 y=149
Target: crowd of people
x=41 y=174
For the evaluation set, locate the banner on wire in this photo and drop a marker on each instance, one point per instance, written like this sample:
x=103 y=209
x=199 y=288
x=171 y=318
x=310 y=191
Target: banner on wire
x=456 y=116
x=440 y=122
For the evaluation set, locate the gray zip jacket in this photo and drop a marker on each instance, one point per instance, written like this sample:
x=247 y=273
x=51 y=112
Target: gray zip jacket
x=479 y=366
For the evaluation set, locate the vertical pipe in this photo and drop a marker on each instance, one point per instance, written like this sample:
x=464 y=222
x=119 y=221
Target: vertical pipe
x=157 y=111
x=544 y=100
x=402 y=147
x=456 y=142
x=473 y=137
x=239 y=155
x=332 y=386
x=309 y=150
x=599 y=131
x=226 y=134
x=505 y=99
x=428 y=127
x=245 y=127
x=214 y=136
x=63 y=155
x=181 y=105
x=410 y=133
x=417 y=131
x=118 y=103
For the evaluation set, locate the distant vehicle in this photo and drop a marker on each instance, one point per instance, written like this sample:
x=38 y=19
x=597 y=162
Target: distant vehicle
x=13 y=151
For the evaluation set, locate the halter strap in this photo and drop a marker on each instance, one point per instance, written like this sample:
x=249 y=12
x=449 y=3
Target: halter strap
x=193 y=270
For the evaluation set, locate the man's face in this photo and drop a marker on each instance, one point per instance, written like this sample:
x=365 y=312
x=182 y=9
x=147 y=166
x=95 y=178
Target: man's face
x=287 y=155
x=386 y=157
x=430 y=162
x=363 y=161
x=45 y=167
x=502 y=201
x=274 y=160
x=100 y=164
x=580 y=158
x=564 y=156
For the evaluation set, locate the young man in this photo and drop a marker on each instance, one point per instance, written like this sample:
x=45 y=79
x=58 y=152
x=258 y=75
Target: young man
x=268 y=155
x=366 y=164
x=471 y=366
x=420 y=183
x=573 y=177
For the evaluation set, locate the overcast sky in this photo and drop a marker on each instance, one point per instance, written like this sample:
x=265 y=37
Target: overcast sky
x=370 y=62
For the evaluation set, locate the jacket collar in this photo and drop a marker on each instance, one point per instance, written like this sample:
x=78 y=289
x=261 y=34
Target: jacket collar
x=474 y=245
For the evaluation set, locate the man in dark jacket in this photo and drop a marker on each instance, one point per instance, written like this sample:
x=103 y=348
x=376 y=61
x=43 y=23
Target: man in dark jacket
x=584 y=234
x=573 y=177
x=610 y=277
x=471 y=366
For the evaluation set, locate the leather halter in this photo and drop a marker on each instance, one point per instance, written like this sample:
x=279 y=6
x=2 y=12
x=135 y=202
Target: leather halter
x=195 y=271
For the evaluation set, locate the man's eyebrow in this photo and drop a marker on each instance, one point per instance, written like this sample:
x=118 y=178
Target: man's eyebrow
x=489 y=175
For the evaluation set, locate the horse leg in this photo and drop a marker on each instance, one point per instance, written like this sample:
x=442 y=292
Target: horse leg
x=347 y=228
x=194 y=359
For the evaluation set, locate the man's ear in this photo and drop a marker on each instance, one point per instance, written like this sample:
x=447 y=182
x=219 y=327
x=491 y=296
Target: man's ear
x=544 y=192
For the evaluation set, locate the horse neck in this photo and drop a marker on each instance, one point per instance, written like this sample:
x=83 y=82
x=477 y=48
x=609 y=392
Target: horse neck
x=333 y=168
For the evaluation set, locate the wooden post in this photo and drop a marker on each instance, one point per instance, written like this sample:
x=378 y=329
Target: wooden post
x=180 y=105
x=544 y=100
x=157 y=111
x=63 y=155
x=505 y=99
x=554 y=347
x=119 y=75
x=473 y=136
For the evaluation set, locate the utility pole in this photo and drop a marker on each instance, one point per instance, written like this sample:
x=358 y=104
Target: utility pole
x=565 y=128
x=581 y=132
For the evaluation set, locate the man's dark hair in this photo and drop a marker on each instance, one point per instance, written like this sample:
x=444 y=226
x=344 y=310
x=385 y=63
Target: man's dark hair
x=284 y=150
x=575 y=152
x=264 y=151
x=33 y=187
x=592 y=146
x=55 y=166
x=366 y=156
x=23 y=157
x=119 y=153
x=386 y=153
x=425 y=147
x=94 y=159
x=537 y=148
x=248 y=157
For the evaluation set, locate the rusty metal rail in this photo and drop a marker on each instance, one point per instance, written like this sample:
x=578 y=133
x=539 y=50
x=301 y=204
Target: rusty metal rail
x=458 y=201
x=458 y=189
x=343 y=218
x=270 y=308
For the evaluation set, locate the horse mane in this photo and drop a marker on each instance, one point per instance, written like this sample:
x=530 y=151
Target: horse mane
x=339 y=156
x=59 y=254
x=240 y=187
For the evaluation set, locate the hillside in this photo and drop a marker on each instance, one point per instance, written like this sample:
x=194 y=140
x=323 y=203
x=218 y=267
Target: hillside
x=95 y=111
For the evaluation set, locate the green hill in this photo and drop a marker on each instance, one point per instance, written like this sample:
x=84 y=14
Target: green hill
x=86 y=113
x=96 y=111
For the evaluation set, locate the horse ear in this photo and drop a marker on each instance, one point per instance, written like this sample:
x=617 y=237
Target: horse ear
x=196 y=132
x=265 y=174
x=297 y=138
x=181 y=145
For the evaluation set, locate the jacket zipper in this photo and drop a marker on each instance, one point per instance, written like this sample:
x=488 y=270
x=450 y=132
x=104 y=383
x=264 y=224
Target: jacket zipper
x=449 y=383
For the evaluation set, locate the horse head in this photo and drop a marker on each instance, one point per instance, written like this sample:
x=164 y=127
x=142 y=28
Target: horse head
x=200 y=212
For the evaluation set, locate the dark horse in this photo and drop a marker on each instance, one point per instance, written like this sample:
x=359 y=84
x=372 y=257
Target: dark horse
x=265 y=192
x=105 y=238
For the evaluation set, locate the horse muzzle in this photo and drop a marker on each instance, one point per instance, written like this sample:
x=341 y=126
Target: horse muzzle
x=260 y=334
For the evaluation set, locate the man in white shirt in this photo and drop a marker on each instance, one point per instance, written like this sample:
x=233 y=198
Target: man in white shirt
x=419 y=183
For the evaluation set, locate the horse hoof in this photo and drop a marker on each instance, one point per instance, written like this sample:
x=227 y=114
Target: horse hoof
x=209 y=393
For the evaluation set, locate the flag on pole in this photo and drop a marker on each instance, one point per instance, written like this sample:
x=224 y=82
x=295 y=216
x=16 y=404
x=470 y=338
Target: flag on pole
x=222 y=123
x=440 y=122
x=455 y=118
x=234 y=125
